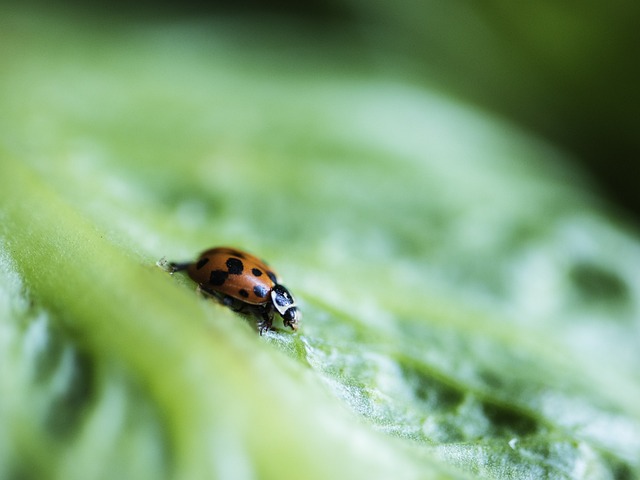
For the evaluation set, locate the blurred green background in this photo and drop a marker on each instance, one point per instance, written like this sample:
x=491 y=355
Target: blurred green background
x=447 y=188
x=566 y=71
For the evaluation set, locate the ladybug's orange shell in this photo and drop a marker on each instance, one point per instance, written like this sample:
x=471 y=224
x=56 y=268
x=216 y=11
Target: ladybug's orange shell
x=235 y=273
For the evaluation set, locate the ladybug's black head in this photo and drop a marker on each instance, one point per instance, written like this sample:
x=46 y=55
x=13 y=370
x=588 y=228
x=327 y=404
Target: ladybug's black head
x=291 y=317
x=285 y=305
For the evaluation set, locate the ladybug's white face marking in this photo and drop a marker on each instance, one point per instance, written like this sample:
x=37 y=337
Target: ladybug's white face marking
x=285 y=305
x=282 y=299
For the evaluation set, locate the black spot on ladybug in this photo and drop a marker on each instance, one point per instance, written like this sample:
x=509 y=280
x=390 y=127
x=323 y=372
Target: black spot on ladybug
x=218 y=277
x=272 y=276
x=202 y=262
x=235 y=266
x=260 y=291
x=243 y=293
x=256 y=272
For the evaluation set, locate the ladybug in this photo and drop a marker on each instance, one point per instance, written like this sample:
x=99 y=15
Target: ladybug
x=243 y=283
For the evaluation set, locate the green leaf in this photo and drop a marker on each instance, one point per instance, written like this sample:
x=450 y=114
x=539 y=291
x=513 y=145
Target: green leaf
x=469 y=307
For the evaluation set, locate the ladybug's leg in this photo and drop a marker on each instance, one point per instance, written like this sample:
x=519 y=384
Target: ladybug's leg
x=229 y=302
x=177 y=267
x=234 y=305
x=171 y=267
x=225 y=300
x=202 y=291
x=266 y=313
